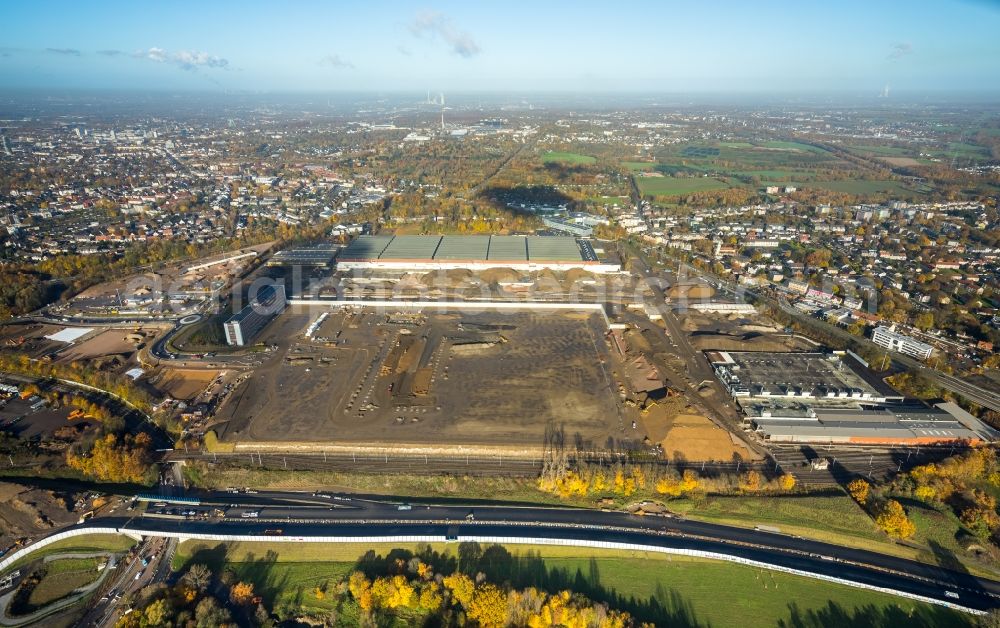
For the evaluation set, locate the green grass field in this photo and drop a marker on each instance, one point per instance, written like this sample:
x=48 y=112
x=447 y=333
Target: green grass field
x=962 y=150
x=765 y=175
x=669 y=590
x=85 y=543
x=795 y=147
x=62 y=577
x=836 y=518
x=884 y=151
x=563 y=157
x=679 y=186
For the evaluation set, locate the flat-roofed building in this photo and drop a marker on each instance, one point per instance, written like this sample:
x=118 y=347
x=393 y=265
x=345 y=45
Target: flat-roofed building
x=888 y=337
x=472 y=253
x=801 y=376
x=508 y=249
x=904 y=424
x=243 y=326
x=320 y=255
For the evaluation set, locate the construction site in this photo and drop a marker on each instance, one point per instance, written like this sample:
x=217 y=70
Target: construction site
x=358 y=377
x=174 y=289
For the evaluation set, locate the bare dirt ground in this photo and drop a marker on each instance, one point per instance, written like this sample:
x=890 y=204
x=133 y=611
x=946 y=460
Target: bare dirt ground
x=720 y=332
x=694 y=290
x=26 y=511
x=110 y=342
x=441 y=379
x=29 y=338
x=901 y=161
x=689 y=437
x=184 y=384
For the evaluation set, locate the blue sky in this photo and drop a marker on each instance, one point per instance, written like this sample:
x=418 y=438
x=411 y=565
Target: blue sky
x=666 y=46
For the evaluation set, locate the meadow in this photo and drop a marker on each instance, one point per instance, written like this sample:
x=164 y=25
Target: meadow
x=563 y=157
x=669 y=590
x=677 y=186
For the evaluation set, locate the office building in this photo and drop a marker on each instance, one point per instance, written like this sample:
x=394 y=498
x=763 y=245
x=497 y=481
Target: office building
x=248 y=322
x=888 y=338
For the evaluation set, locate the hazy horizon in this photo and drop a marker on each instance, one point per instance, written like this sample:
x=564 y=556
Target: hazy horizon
x=587 y=48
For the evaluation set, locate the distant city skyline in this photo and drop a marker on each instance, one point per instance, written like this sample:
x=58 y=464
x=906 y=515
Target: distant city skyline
x=860 y=47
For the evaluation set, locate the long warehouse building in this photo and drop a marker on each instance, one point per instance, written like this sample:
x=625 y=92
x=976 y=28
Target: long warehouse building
x=474 y=252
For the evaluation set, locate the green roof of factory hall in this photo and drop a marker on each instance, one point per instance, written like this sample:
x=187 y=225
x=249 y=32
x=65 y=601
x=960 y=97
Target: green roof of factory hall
x=508 y=248
x=500 y=248
x=473 y=247
x=411 y=247
x=366 y=247
x=553 y=249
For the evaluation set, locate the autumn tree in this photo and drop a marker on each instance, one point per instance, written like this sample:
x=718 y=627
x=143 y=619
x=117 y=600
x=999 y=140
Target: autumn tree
x=114 y=461
x=209 y=614
x=461 y=588
x=431 y=598
x=981 y=516
x=859 y=490
x=488 y=606
x=786 y=482
x=157 y=613
x=750 y=481
x=241 y=593
x=198 y=577
x=924 y=320
x=893 y=520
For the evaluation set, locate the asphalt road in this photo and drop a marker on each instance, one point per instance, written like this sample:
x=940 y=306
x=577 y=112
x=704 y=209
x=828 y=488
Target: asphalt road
x=305 y=515
x=130 y=578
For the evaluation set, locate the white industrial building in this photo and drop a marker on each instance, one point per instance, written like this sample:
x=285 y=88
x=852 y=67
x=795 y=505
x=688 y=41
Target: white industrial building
x=888 y=337
x=243 y=326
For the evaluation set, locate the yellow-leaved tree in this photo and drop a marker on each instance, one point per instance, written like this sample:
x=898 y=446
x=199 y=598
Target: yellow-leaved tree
x=488 y=607
x=859 y=490
x=893 y=520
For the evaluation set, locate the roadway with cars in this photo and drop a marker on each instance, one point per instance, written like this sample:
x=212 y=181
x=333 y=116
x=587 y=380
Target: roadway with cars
x=129 y=578
x=304 y=515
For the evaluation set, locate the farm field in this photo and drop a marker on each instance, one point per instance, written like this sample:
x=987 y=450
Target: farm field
x=567 y=158
x=677 y=186
x=733 y=164
x=888 y=151
x=655 y=587
x=793 y=146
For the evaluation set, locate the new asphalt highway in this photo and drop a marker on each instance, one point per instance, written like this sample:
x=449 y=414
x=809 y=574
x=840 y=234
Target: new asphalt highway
x=301 y=516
